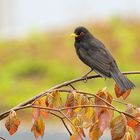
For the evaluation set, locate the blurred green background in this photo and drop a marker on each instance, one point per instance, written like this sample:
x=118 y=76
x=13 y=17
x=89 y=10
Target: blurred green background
x=45 y=57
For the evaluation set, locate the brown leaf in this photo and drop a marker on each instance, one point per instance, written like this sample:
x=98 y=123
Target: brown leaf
x=54 y=99
x=104 y=95
x=137 y=132
x=38 y=128
x=107 y=115
x=118 y=127
x=95 y=132
x=132 y=123
x=126 y=94
x=36 y=112
x=70 y=103
x=104 y=120
x=44 y=103
x=70 y=100
x=131 y=110
x=119 y=93
x=89 y=115
x=128 y=136
x=77 y=128
x=12 y=123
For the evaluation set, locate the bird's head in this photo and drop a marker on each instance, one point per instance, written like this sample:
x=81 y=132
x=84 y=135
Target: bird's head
x=81 y=33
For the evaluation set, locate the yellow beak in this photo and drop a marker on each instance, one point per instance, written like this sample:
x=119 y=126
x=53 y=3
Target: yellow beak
x=74 y=35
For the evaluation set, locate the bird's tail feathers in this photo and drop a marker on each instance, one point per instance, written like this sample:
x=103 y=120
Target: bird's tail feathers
x=123 y=82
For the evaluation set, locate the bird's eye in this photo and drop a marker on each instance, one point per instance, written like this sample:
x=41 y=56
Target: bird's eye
x=82 y=33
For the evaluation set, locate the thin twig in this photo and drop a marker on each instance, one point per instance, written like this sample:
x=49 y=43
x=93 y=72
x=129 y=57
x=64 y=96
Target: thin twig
x=56 y=115
x=72 y=86
x=124 y=103
x=66 y=126
x=61 y=111
x=62 y=119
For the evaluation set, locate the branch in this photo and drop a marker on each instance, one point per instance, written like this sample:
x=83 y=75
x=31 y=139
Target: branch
x=67 y=83
x=66 y=126
x=62 y=119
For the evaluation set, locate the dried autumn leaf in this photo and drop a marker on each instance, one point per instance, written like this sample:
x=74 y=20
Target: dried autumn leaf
x=95 y=132
x=79 y=99
x=128 y=136
x=108 y=114
x=137 y=132
x=36 y=112
x=12 y=123
x=77 y=128
x=104 y=95
x=84 y=100
x=70 y=100
x=89 y=111
x=38 y=127
x=54 y=99
x=126 y=94
x=70 y=103
x=104 y=120
x=119 y=93
x=86 y=115
x=131 y=110
x=43 y=103
x=132 y=123
x=118 y=127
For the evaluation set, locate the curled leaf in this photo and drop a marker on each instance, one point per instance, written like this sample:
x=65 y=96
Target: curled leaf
x=118 y=127
x=104 y=95
x=77 y=127
x=119 y=93
x=95 y=133
x=38 y=127
x=104 y=115
x=36 y=112
x=54 y=99
x=70 y=103
x=128 y=136
x=12 y=123
x=132 y=111
x=104 y=120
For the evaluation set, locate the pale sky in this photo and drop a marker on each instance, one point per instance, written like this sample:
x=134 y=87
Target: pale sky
x=49 y=14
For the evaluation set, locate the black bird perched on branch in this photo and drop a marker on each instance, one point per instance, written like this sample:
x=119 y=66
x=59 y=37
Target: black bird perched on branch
x=94 y=54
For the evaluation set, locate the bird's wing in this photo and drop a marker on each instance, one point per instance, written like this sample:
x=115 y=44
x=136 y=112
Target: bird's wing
x=97 y=60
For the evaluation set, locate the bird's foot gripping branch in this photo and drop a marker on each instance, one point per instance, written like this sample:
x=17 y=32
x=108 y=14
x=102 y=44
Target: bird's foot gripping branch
x=79 y=111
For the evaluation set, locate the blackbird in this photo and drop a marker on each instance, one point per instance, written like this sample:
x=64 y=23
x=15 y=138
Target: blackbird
x=94 y=54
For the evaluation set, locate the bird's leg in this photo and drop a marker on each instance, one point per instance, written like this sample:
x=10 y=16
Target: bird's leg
x=85 y=76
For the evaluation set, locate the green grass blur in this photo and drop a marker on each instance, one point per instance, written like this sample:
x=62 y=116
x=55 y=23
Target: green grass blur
x=33 y=64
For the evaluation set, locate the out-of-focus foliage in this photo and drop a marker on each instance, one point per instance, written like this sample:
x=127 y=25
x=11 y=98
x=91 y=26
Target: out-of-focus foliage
x=33 y=64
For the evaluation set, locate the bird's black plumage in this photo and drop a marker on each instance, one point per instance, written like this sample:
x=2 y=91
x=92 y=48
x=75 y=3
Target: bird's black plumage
x=94 y=54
